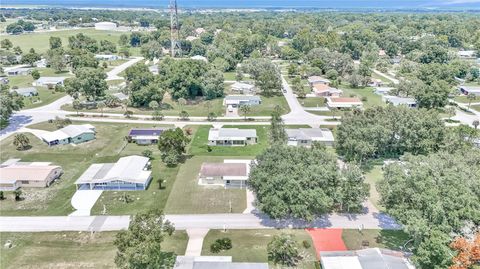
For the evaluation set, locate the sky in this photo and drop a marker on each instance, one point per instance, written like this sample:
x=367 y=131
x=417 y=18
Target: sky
x=338 y=4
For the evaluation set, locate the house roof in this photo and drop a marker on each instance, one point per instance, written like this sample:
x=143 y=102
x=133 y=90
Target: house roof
x=129 y=169
x=67 y=132
x=25 y=91
x=231 y=134
x=26 y=172
x=224 y=169
x=242 y=98
x=50 y=80
x=199 y=57
x=214 y=262
x=242 y=86
x=471 y=88
x=396 y=100
x=320 y=88
x=371 y=258
x=146 y=132
x=344 y=100
x=314 y=134
x=121 y=96
x=314 y=79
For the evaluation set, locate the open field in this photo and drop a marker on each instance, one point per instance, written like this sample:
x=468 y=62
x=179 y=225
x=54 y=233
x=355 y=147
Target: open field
x=200 y=139
x=70 y=249
x=372 y=176
x=187 y=197
x=251 y=245
x=108 y=147
x=312 y=101
x=44 y=97
x=390 y=239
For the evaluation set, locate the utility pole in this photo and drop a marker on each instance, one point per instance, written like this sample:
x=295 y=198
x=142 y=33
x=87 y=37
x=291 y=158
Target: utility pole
x=175 y=48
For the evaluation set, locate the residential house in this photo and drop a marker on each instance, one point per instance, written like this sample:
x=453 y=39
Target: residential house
x=382 y=53
x=199 y=58
x=243 y=88
x=105 y=26
x=344 y=102
x=466 y=54
x=238 y=100
x=214 y=262
x=475 y=90
x=26 y=92
x=200 y=31
x=371 y=258
x=19 y=71
x=75 y=134
x=107 y=57
x=232 y=137
x=131 y=173
x=383 y=90
x=143 y=136
x=49 y=82
x=153 y=69
x=317 y=80
x=306 y=136
x=375 y=83
x=324 y=90
x=15 y=174
x=121 y=96
x=397 y=101
x=42 y=63
x=191 y=38
x=229 y=174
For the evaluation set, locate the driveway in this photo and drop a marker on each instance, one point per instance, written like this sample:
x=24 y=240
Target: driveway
x=232 y=113
x=113 y=74
x=83 y=201
x=327 y=239
x=195 y=241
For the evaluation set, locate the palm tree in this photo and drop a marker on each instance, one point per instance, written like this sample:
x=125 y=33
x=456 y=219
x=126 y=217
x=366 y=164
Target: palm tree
x=21 y=141
x=470 y=98
x=476 y=123
x=245 y=109
x=101 y=106
x=76 y=105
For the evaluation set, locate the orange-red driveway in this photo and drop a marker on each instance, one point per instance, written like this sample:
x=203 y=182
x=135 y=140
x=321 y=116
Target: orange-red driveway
x=327 y=239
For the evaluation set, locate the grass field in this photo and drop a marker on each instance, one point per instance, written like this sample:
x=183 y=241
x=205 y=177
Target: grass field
x=251 y=245
x=187 y=197
x=312 y=101
x=390 y=239
x=108 y=147
x=70 y=249
x=200 y=140
x=44 y=97
x=367 y=92
x=372 y=176
x=464 y=99
x=476 y=107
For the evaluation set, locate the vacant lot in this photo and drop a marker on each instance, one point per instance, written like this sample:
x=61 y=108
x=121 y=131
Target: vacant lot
x=200 y=140
x=70 y=249
x=312 y=101
x=367 y=93
x=390 y=239
x=187 y=197
x=108 y=147
x=251 y=245
x=372 y=176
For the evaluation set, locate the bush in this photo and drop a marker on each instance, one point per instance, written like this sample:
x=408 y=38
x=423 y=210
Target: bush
x=306 y=244
x=364 y=99
x=147 y=153
x=2 y=195
x=221 y=244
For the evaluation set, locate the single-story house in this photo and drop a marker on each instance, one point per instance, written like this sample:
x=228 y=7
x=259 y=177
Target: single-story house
x=129 y=173
x=243 y=88
x=475 y=90
x=200 y=31
x=466 y=54
x=382 y=90
x=199 y=58
x=214 y=262
x=344 y=102
x=121 y=96
x=375 y=83
x=317 y=80
x=397 y=101
x=191 y=38
x=27 y=92
x=143 y=136
x=15 y=174
x=107 y=57
x=49 y=82
x=105 y=25
x=229 y=174
x=75 y=134
x=325 y=90
x=19 y=71
x=306 y=136
x=238 y=100
x=153 y=69
x=371 y=258
x=232 y=137
x=42 y=63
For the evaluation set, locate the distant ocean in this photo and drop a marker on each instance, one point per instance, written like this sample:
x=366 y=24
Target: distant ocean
x=321 y=4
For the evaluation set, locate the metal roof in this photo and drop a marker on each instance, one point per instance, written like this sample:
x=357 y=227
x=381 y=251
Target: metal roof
x=223 y=169
x=146 y=132
x=242 y=98
x=371 y=258
x=314 y=134
x=231 y=134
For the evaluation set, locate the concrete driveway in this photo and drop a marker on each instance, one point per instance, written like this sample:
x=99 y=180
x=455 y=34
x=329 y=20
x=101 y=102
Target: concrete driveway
x=83 y=201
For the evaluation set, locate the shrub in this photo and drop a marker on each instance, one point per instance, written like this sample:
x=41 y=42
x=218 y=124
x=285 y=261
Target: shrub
x=2 y=195
x=306 y=244
x=147 y=153
x=221 y=244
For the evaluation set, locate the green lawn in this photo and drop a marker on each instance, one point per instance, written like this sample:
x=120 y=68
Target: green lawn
x=70 y=249
x=372 y=176
x=312 y=101
x=251 y=245
x=108 y=147
x=187 y=197
x=389 y=239
x=464 y=99
x=44 y=97
x=367 y=92
x=268 y=105
x=476 y=107
x=200 y=140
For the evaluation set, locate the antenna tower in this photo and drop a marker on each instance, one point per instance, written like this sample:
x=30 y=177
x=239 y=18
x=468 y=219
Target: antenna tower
x=175 y=48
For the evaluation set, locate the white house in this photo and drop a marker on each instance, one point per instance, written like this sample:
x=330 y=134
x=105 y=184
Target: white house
x=26 y=92
x=129 y=173
x=70 y=134
x=105 y=26
x=382 y=90
x=344 y=102
x=318 y=80
x=370 y=258
x=231 y=137
x=229 y=174
x=199 y=58
x=19 y=71
x=243 y=88
x=306 y=136
x=397 y=101
x=107 y=57
x=466 y=54
x=49 y=82
x=214 y=262
x=238 y=100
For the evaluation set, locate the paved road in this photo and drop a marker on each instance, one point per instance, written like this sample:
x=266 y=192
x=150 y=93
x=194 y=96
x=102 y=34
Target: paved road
x=464 y=117
x=113 y=74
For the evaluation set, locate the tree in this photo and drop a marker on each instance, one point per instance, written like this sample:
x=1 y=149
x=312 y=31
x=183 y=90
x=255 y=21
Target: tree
x=17 y=50
x=468 y=252
x=277 y=128
x=55 y=42
x=451 y=111
x=89 y=82
x=172 y=144
x=56 y=59
x=151 y=50
x=157 y=115
x=476 y=123
x=183 y=115
x=35 y=74
x=211 y=116
x=31 y=57
x=266 y=75
x=212 y=84
x=284 y=250
x=141 y=245
x=432 y=96
x=153 y=105
x=147 y=153
x=17 y=194
x=76 y=105
x=6 y=44
x=470 y=98
x=299 y=88
x=101 y=105
x=239 y=74
x=245 y=109
x=21 y=141
x=9 y=102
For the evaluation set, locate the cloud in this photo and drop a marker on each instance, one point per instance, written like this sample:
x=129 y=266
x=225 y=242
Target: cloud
x=456 y=2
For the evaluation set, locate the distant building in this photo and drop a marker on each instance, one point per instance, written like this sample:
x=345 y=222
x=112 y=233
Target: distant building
x=243 y=88
x=323 y=90
x=200 y=31
x=214 y=262
x=15 y=174
x=105 y=26
x=26 y=92
x=232 y=137
x=75 y=134
x=318 y=80
x=145 y=136
x=375 y=83
x=398 y=101
x=107 y=57
x=199 y=58
x=121 y=96
x=475 y=90
x=306 y=136
x=344 y=102
x=191 y=38
x=153 y=69
x=239 y=100
x=19 y=71
x=371 y=258
x=382 y=53
x=130 y=173
x=41 y=63
x=49 y=82
x=383 y=90
x=466 y=54
x=229 y=174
